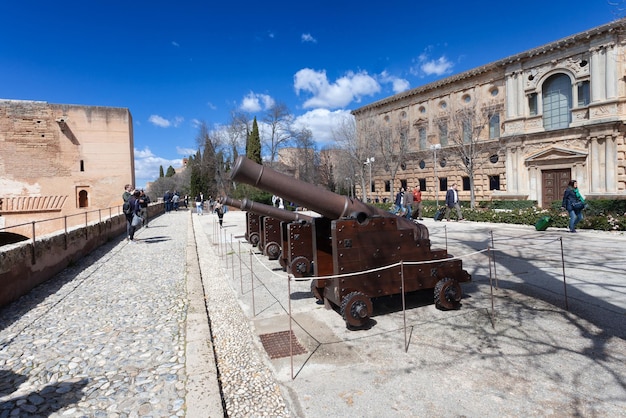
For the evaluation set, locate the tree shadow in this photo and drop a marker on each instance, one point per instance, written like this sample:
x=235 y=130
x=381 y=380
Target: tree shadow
x=43 y=403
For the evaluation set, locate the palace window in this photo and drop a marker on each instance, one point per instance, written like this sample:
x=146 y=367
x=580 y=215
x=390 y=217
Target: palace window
x=583 y=94
x=422 y=137
x=532 y=104
x=494 y=182
x=557 y=102
x=443 y=133
x=467 y=132
x=466 y=183
x=494 y=126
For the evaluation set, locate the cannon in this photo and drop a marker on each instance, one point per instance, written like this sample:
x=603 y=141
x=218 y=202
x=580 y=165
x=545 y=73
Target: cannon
x=352 y=241
x=282 y=234
x=253 y=221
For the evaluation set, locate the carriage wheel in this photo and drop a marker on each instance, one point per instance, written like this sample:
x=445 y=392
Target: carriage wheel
x=356 y=309
x=448 y=294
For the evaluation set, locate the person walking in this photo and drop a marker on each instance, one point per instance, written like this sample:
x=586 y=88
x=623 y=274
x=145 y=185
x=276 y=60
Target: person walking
x=452 y=201
x=220 y=213
x=133 y=201
x=408 y=204
x=175 y=200
x=574 y=203
x=417 y=202
x=399 y=202
x=199 y=204
x=144 y=200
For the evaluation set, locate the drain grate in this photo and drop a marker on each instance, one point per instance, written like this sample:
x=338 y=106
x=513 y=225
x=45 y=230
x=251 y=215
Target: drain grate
x=277 y=344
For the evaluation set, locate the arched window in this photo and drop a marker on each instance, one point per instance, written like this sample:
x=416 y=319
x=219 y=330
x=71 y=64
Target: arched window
x=83 y=199
x=557 y=102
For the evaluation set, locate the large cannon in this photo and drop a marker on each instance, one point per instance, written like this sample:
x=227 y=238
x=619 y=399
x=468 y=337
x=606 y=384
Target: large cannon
x=354 y=241
x=278 y=233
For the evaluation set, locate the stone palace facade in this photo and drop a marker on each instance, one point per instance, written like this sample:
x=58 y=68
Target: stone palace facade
x=526 y=124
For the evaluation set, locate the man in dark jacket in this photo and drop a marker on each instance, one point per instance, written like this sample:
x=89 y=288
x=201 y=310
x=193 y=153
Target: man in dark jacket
x=452 y=201
x=136 y=208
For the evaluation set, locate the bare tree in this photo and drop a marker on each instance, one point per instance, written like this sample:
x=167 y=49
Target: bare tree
x=392 y=142
x=357 y=148
x=307 y=156
x=236 y=134
x=278 y=122
x=473 y=135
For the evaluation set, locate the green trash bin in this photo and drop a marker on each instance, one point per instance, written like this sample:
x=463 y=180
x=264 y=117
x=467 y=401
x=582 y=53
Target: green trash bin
x=543 y=223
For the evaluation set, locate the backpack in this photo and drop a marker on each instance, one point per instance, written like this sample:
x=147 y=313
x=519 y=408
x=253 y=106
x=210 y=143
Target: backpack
x=127 y=208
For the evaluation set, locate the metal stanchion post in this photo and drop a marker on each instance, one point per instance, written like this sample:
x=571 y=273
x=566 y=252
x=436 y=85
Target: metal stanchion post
x=406 y=347
x=491 y=287
x=252 y=284
x=495 y=273
x=564 y=283
x=240 y=269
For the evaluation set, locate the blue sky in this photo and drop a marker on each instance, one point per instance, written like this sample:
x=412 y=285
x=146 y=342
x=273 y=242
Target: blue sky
x=174 y=64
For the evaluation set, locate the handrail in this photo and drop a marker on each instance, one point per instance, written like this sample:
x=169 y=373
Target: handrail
x=65 y=217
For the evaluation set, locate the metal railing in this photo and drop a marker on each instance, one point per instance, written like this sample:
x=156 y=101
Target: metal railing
x=32 y=230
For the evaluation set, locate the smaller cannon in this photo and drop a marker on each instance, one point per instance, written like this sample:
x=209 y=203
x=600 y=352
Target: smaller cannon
x=279 y=233
x=254 y=221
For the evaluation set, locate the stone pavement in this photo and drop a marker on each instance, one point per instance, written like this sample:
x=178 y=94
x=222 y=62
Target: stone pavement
x=176 y=325
x=114 y=335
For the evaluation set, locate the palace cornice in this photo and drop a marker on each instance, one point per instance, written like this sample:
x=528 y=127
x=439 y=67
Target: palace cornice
x=556 y=45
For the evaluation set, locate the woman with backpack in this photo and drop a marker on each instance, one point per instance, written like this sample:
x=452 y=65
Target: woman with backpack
x=573 y=203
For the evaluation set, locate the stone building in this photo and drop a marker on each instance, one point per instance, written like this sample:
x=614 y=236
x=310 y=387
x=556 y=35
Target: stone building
x=518 y=128
x=59 y=160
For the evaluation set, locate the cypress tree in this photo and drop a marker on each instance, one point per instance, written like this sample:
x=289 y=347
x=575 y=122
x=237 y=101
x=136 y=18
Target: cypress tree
x=253 y=145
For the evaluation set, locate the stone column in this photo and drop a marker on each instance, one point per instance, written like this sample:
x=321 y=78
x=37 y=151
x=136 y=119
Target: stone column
x=511 y=182
x=594 y=160
x=611 y=72
x=511 y=103
x=521 y=97
x=611 y=165
x=597 y=75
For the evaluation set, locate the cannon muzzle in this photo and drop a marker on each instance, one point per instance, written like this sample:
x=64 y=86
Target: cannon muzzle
x=229 y=201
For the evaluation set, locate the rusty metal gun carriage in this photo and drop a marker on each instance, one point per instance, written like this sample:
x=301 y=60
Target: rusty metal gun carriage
x=279 y=234
x=353 y=241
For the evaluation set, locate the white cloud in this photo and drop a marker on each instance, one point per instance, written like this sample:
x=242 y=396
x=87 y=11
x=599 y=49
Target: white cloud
x=398 y=84
x=165 y=123
x=254 y=102
x=147 y=166
x=349 y=88
x=321 y=122
x=426 y=66
x=159 y=121
x=175 y=44
x=307 y=37
x=186 y=152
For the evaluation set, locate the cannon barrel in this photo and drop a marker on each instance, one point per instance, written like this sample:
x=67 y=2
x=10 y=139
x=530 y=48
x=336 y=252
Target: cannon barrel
x=322 y=201
x=271 y=211
x=229 y=201
x=265 y=210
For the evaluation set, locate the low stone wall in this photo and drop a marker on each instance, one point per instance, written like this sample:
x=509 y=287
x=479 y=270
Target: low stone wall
x=24 y=266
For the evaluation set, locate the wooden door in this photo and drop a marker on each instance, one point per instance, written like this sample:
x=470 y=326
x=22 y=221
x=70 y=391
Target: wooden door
x=554 y=183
